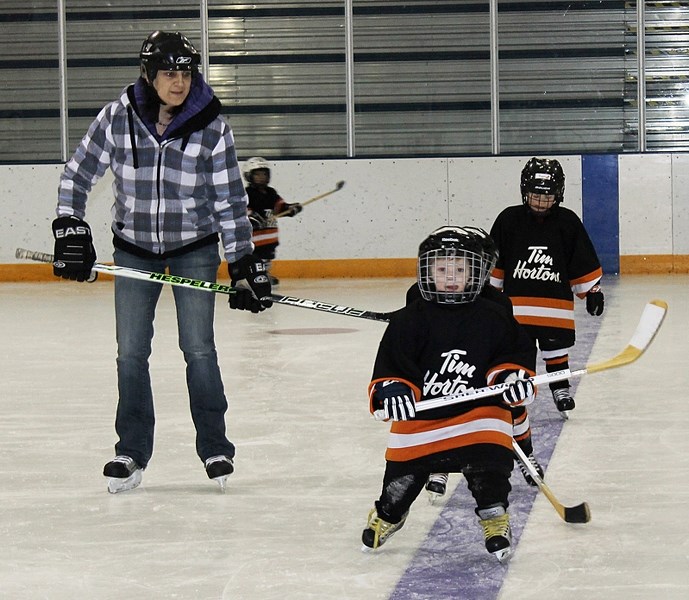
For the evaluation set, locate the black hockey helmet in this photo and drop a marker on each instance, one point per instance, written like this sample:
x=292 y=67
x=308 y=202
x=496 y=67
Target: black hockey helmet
x=490 y=249
x=543 y=176
x=167 y=51
x=439 y=254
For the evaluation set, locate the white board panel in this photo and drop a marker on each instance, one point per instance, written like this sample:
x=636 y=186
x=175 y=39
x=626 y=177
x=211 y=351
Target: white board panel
x=645 y=204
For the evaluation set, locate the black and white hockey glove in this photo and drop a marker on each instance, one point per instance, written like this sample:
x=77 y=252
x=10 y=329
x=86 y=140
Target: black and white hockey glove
x=74 y=253
x=595 y=301
x=394 y=400
x=257 y=221
x=250 y=277
x=521 y=389
x=293 y=210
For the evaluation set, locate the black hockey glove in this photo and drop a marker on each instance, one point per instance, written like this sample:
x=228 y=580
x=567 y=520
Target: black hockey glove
x=74 y=252
x=394 y=400
x=521 y=389
x=250 y=278
x=293 y=210
x=595 y=301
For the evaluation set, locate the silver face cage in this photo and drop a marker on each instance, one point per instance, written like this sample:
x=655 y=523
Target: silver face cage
x=452 y=276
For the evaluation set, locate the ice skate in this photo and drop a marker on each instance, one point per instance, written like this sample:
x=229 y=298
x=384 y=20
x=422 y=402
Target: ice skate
x=123 y=473
x=378 y=531
x=563 y=401
x=436 y=486
x=525 y=472
x=496 y=531
x=219 y=468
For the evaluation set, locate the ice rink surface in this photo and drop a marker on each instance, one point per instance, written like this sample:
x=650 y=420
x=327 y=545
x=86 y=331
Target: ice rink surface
x=309 y=462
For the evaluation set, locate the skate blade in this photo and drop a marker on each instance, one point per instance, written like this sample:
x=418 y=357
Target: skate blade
x=564 y=414
x=503 y=555
x=222 y=482
x=118 y=484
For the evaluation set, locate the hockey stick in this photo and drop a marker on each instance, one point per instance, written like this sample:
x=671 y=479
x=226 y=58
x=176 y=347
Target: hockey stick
x=649 y=324
x=208 y=286
x=570 y=514
x=338 y=186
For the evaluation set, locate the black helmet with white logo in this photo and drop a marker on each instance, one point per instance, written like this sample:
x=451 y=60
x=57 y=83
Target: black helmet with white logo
x=543 y=176
x=164 y=51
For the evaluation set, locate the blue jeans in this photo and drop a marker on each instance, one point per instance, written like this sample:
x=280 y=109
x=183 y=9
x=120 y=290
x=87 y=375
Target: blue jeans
x=135 y=304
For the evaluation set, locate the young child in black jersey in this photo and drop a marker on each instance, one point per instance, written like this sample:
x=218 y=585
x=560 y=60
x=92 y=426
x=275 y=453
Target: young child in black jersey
x=436 y=486
x=448 y=341
x=545 y=258
x=265 y=204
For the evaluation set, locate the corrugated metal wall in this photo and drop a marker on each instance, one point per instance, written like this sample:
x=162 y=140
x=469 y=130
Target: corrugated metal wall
x=421 y=74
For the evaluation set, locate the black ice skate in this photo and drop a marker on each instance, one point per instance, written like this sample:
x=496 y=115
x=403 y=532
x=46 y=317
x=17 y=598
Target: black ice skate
x=124 y=473
x=563 y=401
x=496 y=531
x=527 y=476
x=436 y=486
x=378 y=531
x=219 y=468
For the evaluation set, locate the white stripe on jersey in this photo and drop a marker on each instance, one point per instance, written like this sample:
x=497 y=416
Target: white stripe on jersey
x=408 y=440
x=544 y=312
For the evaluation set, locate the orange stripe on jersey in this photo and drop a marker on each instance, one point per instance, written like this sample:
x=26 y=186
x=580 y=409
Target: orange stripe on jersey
x=557 y=303
x=581 y=285
x=263 y=237
x=543 y=312
x=588 y=278
x=409 y=440
x=545 y=322
x=557 y=361
x=520 y=419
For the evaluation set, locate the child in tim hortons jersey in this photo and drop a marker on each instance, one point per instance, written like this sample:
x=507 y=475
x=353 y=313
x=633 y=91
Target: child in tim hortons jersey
x=449 y=339
x=545 y=258
x=436 y=486
x=265 y=206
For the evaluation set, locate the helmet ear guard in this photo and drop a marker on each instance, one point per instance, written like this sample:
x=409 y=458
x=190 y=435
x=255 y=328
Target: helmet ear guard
x=543 y=176
x=165 y=51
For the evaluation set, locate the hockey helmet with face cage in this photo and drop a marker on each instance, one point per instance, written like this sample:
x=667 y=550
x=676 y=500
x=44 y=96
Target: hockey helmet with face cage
x=451 y=267
x=490 y=249
x=165 y=51
x=255 y=163
x=543 y=176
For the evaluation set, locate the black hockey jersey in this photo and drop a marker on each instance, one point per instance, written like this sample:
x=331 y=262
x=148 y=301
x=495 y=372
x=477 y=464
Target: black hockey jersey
x=440 y=350
x=543 y=262
x=265 y=205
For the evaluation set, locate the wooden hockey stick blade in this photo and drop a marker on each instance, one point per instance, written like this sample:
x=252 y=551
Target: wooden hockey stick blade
x=338 y=186
x=649 y=325
x=209 y=286
x=651 y=319
x=570 y=514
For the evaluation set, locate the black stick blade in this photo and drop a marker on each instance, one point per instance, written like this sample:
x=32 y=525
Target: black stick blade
x=339 y=185
x=578 y=514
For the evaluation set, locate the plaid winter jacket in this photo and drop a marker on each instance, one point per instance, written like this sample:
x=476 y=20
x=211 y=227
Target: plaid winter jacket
x=170 y=191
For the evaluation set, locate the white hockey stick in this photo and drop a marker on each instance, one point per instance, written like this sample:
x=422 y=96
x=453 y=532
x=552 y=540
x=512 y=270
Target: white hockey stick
x=209 y=286
x=338 y=186
x=649 y=324
x=571 y=514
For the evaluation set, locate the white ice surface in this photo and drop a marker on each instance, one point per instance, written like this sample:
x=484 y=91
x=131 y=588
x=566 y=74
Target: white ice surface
x=310 y=459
